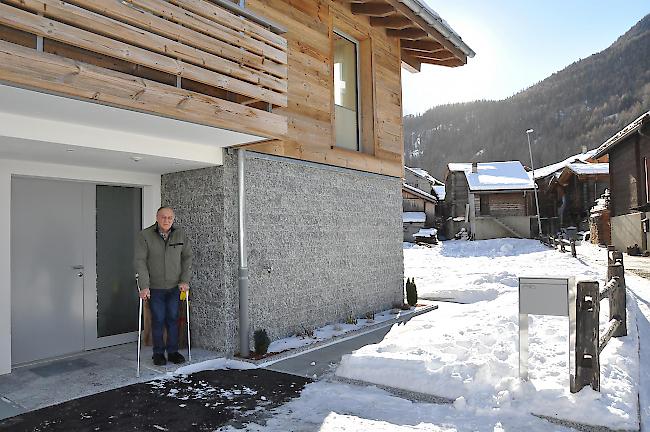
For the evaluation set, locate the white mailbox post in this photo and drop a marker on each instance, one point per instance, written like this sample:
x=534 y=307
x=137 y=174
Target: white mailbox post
x=544 y=296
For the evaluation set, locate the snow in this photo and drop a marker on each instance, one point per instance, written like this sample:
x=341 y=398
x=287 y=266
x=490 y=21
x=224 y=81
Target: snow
x=601 y=205
x=215 y=364
x=495 y=176
x=595 y=168
x=468 y=352
x=424 y=174
x=419 y=191
x=558 y=166
x=333 y=330
x=426 y=232
x=411 y=217
x=440 y=191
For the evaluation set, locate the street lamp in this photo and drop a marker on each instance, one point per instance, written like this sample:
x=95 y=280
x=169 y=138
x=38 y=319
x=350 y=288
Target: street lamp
x=532 y=166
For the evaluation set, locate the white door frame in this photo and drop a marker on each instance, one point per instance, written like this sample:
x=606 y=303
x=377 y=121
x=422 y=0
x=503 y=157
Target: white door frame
x=150 y=184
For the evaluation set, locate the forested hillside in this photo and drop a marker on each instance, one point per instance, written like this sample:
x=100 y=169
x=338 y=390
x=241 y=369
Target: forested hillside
x=583 y=104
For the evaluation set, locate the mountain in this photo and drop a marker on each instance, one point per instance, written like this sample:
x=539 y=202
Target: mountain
x=582 y=105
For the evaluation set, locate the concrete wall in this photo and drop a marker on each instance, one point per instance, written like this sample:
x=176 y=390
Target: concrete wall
x=488 y=228
x=323 y=242
x=626 y=231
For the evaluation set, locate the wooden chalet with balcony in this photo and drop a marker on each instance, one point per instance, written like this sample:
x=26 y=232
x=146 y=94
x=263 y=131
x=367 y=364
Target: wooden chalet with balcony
x=273 y=127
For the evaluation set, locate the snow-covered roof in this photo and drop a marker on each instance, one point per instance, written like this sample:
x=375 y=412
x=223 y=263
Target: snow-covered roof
x=410 y=217
x=558 y=166
x=440 y=191
x=423 y=174
x=508 y=175
x=637 y=124
x=420 y=192
x=593 y=169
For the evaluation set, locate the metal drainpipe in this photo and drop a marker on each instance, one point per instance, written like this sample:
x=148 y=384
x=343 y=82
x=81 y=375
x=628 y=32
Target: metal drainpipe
x=244 y=320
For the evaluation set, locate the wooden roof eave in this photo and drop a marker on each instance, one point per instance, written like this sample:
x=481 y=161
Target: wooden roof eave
x=419 y=42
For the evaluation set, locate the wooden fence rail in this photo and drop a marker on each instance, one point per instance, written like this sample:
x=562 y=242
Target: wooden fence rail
x=554 y=242
x=588 y=343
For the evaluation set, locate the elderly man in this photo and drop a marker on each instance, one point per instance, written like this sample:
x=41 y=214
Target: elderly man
x=163 y=259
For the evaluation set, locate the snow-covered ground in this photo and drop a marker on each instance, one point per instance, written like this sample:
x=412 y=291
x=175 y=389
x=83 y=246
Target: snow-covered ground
x=334 y=330
x=467 y=351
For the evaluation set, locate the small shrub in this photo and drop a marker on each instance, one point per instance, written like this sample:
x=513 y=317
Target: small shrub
x=370 y=316
x=411 y=292
x=350 y=319
x=307 y=332
x=262 y=341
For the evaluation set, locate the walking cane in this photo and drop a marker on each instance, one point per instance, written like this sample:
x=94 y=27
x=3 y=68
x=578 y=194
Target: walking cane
x=137 y=281
x=185 y=295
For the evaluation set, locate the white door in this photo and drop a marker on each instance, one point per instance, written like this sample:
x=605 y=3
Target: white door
x=71 y=267
x=47 y=274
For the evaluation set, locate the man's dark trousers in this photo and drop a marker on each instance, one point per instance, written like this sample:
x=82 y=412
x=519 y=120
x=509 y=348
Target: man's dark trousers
x=164 y=305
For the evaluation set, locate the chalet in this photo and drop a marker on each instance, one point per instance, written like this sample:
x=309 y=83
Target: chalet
x=419 y=209
x=272 y=127
x=421 y=179
x=568 y=189
x=422 y=192
x=489 y=200
x=629 y=167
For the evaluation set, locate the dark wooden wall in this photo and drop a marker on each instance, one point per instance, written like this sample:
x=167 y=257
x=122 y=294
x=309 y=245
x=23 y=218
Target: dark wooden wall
x=627 y=174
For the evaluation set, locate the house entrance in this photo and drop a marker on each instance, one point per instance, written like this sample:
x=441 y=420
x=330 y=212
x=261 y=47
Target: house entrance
x=72 y=286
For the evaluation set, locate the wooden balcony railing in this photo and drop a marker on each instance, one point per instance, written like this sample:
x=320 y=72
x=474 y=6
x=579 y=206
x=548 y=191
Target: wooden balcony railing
x=187 y=59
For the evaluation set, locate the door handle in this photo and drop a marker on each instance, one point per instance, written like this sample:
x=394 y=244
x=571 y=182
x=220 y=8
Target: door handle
x=77 y=267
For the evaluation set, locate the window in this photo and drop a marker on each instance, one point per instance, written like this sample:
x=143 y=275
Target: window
x=646 y=167
x=346 y=91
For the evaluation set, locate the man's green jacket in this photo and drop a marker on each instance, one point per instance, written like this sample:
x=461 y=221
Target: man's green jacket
x=162 y=264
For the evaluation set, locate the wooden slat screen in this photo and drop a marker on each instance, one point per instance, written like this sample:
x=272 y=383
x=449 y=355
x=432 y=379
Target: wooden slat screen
x=218 y=53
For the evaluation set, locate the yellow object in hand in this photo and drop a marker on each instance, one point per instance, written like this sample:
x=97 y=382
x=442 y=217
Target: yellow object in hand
x=183 y=295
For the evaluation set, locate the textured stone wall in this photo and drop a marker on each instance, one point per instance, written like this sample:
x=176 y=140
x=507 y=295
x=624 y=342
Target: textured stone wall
x=323 y=243
x=198 y=198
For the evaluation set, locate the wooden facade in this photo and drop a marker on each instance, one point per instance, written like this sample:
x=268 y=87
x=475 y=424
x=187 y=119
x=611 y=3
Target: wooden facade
x=501 y=204
x=629 y=168
x=199 y=61
x=629 y=163
x=310 y=111
x=419 y=201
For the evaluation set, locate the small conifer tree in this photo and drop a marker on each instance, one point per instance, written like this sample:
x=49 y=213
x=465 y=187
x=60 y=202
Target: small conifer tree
x=262 y=341
x=411 y=292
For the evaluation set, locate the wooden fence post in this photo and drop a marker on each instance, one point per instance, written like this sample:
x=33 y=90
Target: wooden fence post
x=610 y=249
x=617 y=298
x=573 y=249
x=587 y=337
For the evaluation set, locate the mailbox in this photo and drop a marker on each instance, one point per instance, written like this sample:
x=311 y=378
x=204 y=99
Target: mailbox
x=544 y=296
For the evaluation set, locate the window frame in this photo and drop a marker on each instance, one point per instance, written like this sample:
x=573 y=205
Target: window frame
x=357 y=58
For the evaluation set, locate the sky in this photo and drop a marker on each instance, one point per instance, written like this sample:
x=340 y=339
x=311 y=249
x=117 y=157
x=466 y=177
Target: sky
x=517 y=44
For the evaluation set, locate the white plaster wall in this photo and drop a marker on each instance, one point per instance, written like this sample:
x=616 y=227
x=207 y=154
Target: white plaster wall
x=626 y=231
x=8 y=168
x=488 y=228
